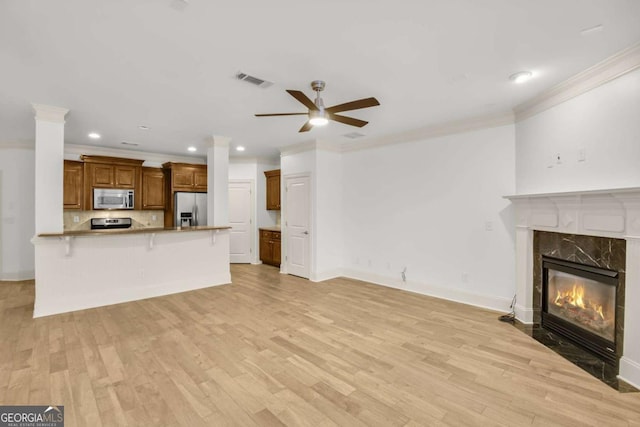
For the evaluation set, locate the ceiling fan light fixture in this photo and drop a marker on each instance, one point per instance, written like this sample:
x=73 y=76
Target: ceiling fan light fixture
x=318 y=118
x=318 y=121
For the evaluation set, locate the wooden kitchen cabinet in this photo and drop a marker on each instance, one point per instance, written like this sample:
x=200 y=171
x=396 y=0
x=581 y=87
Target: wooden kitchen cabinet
x=73 y=184
x=187 y=177
x=153 y=189
x=273 y=189
x=270 y=247
x=111 y=172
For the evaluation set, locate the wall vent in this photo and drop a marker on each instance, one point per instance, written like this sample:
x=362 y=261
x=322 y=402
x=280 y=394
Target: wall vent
x=354 y=135
x=253 y=80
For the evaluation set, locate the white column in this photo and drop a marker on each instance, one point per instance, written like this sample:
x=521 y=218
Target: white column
x=630 y=361
x=524 y=274
x=49 y=167
x=218 y=181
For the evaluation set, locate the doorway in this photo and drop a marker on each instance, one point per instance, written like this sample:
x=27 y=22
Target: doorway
x=297 y=225
x=241 y=221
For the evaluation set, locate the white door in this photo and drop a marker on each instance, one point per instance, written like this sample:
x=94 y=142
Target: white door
x=297 y=223
x=240 y=221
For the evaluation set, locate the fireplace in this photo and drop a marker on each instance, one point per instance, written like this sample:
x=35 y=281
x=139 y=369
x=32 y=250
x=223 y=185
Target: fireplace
x=597 y=228
x=579 y=303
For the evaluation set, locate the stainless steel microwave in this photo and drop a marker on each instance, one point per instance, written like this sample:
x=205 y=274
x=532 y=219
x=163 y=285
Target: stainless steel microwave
x=107 y=198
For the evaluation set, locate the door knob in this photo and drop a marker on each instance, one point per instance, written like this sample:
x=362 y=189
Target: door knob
x=305 y=232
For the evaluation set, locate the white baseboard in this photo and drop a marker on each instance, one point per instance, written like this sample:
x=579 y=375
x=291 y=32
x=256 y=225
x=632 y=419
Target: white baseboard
x=523 y=314
x=484 y=301
x=630 y=371
x=18 y=276
x=327 y=275
x=83 y=302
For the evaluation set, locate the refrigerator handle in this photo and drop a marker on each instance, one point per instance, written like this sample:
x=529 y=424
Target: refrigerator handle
x=195 y=213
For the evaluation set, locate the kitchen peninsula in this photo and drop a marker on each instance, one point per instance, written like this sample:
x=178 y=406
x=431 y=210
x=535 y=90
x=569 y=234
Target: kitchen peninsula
x=85 y=269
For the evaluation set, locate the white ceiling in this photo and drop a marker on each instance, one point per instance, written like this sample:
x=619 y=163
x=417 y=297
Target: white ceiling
x=169 y=65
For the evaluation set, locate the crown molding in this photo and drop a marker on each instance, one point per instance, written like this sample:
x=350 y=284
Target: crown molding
x=16 y=145
x=435 y=131
x=49 y=113
x=603 y=72
x=73 y=151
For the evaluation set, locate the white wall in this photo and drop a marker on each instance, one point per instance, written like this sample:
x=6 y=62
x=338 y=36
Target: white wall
x=605 y=122
x=265 y=218
x=328 y=229
x=17 y=213
x=425 y=206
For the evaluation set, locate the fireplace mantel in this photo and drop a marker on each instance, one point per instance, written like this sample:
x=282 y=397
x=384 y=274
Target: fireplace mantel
x=605 y=213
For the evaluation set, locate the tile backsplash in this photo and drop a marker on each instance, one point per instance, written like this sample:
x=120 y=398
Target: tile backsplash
x=81 y=220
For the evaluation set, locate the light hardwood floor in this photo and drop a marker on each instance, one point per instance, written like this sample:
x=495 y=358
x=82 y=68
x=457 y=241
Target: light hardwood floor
x=277 y=350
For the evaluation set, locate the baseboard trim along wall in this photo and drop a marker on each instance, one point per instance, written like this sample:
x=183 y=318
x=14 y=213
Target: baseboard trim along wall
x=523 y=314
x=629 y=372
x=483 y=301
x=18 y=276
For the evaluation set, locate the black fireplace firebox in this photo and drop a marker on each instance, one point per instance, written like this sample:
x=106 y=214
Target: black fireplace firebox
x=579 y=303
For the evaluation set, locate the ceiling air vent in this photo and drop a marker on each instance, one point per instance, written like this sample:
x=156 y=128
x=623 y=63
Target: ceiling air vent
x=132 y=144
x=353 y=135
x=253 y=80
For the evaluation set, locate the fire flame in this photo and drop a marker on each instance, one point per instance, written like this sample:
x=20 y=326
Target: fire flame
x=575 y=297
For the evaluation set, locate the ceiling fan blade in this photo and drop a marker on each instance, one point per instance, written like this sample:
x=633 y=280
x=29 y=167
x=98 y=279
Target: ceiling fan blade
x=306 y=127
x=347 y=120
x=354 y=105
x=281 y=114
x=301 y=97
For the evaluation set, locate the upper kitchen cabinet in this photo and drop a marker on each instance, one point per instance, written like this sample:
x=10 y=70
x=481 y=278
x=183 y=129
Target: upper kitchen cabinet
x=111 y=172
x=187 y=177
x=153 y=188
x=73 y=183
x=273 y=189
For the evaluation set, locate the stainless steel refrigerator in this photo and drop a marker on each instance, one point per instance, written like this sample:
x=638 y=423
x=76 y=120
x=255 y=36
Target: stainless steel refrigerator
x=190 y=209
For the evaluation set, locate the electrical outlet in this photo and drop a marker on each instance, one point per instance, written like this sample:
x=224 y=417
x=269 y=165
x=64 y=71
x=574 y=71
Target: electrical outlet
x=76 y=218
x=154 y=217
x=558 y=159
x=582 y=155
x=488 y=225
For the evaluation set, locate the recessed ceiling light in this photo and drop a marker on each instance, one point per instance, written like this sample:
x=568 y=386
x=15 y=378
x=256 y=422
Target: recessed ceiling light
x=192 y=149
x=143 y=127
x=521 y=76
x=239 y=148
x=591 y=30
x=94 y=135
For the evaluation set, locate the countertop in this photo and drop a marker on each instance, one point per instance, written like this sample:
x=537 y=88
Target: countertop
x=275 y=228
x=130 y=231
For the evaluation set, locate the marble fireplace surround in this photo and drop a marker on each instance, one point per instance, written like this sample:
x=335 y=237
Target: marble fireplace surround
x=613 y=213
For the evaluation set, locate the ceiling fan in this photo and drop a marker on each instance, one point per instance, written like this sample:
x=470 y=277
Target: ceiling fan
x=319 y=115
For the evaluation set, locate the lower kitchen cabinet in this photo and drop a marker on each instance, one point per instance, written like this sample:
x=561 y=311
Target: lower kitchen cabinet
x=270 y=247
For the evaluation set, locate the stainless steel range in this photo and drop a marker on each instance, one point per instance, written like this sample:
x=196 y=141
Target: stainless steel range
x=110 y=223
